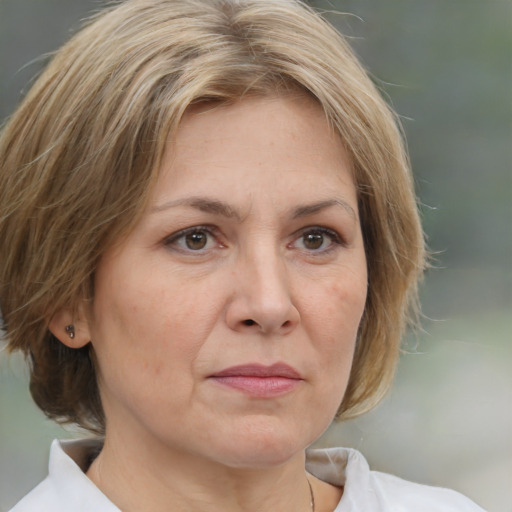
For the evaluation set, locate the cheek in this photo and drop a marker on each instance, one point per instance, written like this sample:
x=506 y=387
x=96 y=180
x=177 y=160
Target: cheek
x=151 y=322
x=340 y=311
x=334 y=324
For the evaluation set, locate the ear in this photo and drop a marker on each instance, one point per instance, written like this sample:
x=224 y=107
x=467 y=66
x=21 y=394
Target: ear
x=70 y=330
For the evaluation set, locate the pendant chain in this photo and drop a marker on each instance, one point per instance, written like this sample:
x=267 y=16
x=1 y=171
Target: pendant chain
x=312 y=496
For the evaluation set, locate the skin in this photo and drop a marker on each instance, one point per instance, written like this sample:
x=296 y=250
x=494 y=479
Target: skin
x=273 y=271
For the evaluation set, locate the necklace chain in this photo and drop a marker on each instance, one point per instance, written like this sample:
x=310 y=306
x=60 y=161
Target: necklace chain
x=312 y=496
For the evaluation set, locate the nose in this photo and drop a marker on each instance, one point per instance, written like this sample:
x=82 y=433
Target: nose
x=262 y=299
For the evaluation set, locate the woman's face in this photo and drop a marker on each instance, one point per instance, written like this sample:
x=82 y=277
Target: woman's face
x=224 y=325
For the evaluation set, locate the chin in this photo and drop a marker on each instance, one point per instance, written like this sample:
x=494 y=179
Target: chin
x=261 y=445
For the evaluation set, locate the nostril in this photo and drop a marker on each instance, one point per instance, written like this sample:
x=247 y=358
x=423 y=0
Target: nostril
x=249 y=322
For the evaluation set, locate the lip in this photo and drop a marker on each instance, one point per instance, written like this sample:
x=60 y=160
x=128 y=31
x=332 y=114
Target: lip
x=260 y=370
x=259 y=380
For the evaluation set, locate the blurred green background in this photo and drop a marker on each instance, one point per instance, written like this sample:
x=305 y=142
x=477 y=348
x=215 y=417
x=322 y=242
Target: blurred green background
x=446 y=67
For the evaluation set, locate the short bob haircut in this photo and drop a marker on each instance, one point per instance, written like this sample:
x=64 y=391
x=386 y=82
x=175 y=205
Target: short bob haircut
x=81 y=153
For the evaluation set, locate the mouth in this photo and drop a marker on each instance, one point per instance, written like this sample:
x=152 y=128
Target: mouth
x=258 y=380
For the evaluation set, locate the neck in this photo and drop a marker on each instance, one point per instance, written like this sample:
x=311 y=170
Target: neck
x=139 y=477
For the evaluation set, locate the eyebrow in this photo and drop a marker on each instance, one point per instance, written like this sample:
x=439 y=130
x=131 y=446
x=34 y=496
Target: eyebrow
x=310 y=209
x=203 y=204
x=225 y=210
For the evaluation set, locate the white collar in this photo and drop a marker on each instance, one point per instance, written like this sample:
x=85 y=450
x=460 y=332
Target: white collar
x=67 y=488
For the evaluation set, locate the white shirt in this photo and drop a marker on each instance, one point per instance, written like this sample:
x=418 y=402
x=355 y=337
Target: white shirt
x=67 y=488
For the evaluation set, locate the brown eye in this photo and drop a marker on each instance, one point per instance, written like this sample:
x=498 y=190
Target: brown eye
x=313 y=241
x=196 y=240
x=317 y=240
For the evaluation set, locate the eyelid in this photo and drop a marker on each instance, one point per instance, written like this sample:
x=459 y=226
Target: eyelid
x=336 y=238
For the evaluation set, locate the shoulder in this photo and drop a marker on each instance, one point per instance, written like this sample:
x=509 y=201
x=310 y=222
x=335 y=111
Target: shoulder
x=67 y=487
x=404 y=495
x=380 y=492
x=41 y=498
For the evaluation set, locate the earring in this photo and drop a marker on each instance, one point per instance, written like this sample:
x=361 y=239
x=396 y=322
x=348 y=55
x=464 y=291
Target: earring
x=70 y=329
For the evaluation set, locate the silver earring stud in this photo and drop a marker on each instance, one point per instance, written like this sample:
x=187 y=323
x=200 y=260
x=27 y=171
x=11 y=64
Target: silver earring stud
x=70 y=329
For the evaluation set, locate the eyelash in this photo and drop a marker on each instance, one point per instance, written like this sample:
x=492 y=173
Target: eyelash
x=211 y=232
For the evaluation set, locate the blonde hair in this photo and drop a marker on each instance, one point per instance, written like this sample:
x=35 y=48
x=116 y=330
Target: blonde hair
x=82 y=151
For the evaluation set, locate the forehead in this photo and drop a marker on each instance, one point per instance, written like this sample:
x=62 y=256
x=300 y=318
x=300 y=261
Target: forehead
x=253 y=136
x=291 y=112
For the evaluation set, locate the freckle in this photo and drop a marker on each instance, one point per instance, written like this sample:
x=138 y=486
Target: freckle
x=158 y=368
x=334 y=289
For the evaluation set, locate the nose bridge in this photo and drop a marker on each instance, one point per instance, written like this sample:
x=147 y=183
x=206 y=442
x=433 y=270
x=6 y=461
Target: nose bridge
x=263 y=295
x=269 y=283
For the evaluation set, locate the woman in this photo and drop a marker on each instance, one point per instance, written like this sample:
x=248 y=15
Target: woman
x=210 y=250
